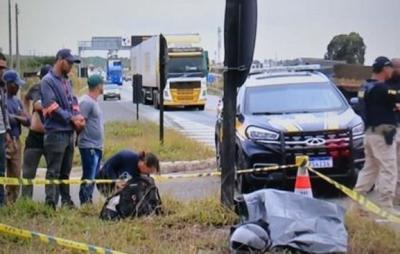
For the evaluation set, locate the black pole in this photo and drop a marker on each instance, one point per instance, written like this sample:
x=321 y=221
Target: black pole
x=163 y=80
x=161 y=117
x=228 y=142
x=137 y=111
x=137 y=95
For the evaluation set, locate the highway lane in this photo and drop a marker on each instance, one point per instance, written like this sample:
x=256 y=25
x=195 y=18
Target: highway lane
x=195 y=124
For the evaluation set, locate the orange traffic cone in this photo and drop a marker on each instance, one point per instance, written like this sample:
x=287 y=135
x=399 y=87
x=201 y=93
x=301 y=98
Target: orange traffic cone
x=303 y=183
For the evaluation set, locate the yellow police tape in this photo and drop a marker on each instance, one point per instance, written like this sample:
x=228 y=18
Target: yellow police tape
x=360 y=199
x=22 y=181
x=83 y=247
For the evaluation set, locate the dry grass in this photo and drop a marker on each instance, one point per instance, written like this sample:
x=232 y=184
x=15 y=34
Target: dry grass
x=184 y=228
x=366 y=236
x=140 y=136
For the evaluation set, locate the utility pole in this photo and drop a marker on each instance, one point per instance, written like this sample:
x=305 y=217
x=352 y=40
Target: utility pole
x=9 y=35
x=17 y=39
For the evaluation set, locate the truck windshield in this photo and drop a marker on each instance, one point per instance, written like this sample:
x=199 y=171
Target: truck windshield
x=293 y=98
x=196 y=64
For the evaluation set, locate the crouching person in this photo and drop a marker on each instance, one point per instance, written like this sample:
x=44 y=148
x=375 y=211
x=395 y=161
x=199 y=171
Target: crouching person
x=126 y=165
x=136 y=194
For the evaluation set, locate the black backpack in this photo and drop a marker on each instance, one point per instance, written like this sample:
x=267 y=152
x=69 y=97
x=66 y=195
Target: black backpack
x=140 y=197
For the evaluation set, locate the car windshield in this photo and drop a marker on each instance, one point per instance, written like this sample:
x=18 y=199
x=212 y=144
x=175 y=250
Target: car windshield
x=187 y=64
x=293 y=98
x=111 y=87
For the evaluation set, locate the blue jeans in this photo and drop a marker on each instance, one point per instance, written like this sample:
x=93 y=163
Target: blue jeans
x=91 y=159
x=2 y=165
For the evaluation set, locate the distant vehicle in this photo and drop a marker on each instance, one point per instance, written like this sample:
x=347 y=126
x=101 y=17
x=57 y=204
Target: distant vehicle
x=114 y=71
x=112 y=91
x=285 y=114
x=187 y=71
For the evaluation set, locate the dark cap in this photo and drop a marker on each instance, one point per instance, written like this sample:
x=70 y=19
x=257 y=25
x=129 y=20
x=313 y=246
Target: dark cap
x=95 y=80
x=65 y=54
x=11 y=76
x=380 y=63
x=44 y=70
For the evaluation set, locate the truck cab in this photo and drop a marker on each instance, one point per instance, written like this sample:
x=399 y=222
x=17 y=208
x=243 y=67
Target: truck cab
x=186 y=78
x=114 y=71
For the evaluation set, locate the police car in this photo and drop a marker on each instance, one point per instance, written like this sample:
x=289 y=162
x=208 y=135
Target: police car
x=284 y=114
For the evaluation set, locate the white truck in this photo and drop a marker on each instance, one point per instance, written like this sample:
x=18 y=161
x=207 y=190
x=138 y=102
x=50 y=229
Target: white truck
x=186 y=71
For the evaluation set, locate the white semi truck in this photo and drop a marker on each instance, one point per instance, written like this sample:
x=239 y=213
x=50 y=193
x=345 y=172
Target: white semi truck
x=186 y=71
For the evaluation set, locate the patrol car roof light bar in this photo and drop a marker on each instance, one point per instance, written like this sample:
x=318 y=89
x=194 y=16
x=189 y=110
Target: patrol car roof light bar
x=295 y=68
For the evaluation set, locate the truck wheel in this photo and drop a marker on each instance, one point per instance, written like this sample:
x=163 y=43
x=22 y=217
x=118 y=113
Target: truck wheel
x=156 y=103
x=201 y=108
x=218 y=154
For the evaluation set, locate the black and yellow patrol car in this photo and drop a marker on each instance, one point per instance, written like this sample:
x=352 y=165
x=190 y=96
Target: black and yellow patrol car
x=281 y=115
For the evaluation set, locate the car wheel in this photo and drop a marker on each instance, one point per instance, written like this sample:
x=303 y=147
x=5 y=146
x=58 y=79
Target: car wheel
x=350 y=181
x=119 y=97
x=241 y=184
x=104 y=98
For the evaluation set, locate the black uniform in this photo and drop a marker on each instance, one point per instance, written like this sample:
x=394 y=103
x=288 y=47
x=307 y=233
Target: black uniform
x=380 y=103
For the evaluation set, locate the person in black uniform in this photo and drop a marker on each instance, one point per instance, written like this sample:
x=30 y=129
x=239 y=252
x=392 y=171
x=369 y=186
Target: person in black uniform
x=126 y=165
x=380 y=166
x=394 y=83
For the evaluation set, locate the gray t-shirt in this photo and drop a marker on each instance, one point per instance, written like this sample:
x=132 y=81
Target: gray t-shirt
x=92 y=135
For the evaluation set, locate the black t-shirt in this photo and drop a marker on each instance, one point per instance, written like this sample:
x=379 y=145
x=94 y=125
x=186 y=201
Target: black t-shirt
x=123 y=164
x=34 y=93
x=380 y=104
x=395 y=85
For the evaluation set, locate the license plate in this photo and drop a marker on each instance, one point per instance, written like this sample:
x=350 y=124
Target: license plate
x=321 y=162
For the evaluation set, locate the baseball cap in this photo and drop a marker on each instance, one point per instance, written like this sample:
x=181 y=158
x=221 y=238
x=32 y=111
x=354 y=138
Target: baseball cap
x=65 y=54
x=11 y=76
x=95 y=80
x=380 y=63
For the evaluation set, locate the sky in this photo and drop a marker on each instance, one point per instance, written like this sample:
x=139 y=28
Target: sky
x=287 y=29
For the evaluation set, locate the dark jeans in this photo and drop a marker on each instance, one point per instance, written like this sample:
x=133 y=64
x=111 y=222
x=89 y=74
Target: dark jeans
x=2 y=165
x=91 y=159
x=34 y=150
x=59 y=152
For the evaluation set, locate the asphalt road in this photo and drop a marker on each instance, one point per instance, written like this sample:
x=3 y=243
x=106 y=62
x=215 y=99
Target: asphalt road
x=196 y=124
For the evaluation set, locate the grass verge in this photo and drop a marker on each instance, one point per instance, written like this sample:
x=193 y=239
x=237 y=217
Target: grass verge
x=366 y=236
x=140 y=136
x=184 y=228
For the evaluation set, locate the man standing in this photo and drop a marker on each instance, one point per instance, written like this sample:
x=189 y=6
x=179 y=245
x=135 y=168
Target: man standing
x=90 y=140
x=394 y=83
x=61 y=118
x=34 y=149
x=17 y=117
x=380 y=148
x=4 y=125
